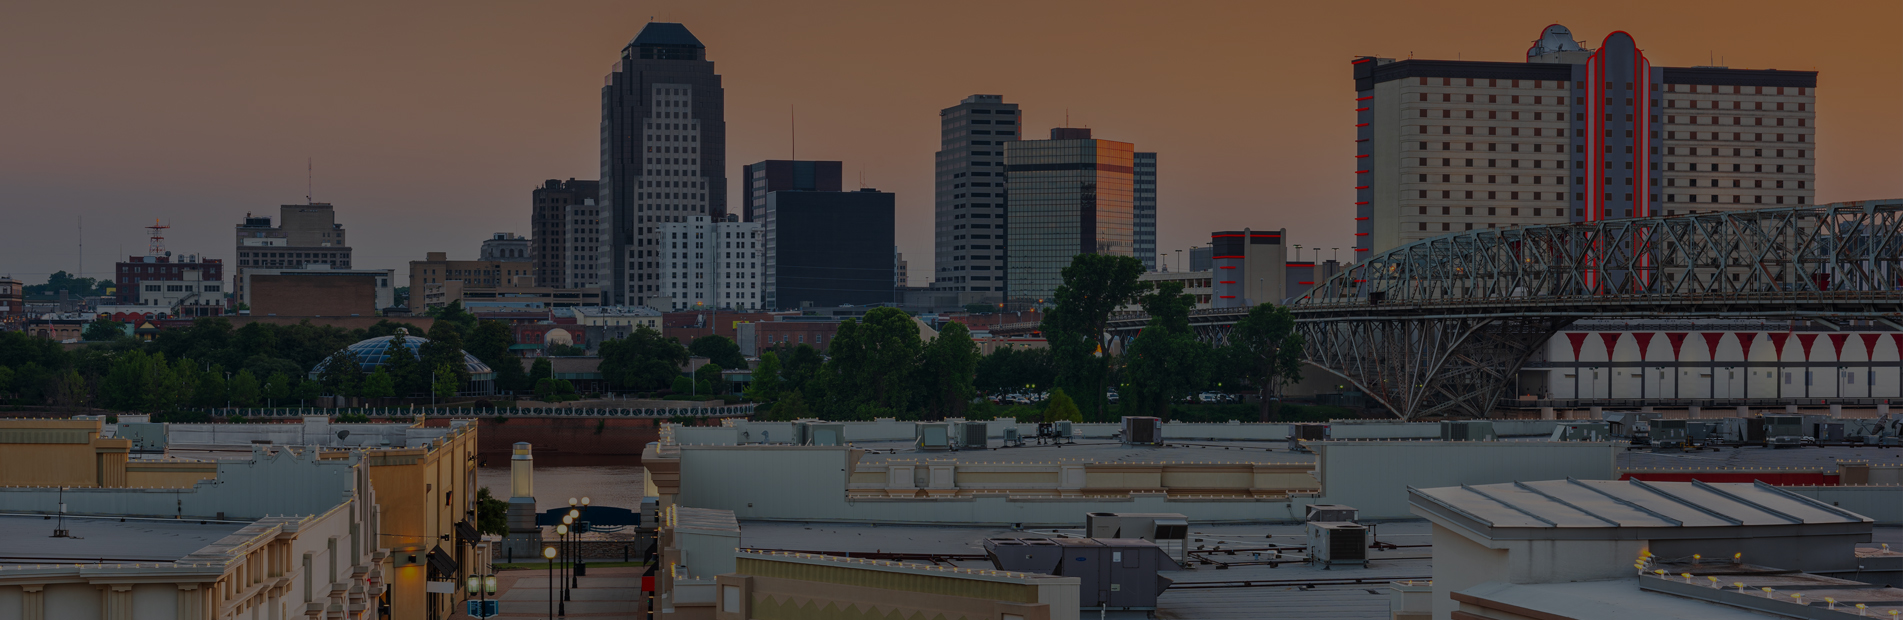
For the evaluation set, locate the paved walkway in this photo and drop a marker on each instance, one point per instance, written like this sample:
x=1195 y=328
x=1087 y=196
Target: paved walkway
x=604 y=593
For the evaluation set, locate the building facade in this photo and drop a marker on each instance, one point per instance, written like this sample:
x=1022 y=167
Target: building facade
x=1571 y=135
x=12 y=303
x=827 y=249
x=711 y=264
x=516 y=296
x=1249 y=267
x=564 y=232
x=436 y=268
x=318 y=291
x=508 y=247
x=1143 y=209
x=969 y=196
x=775 y=175
x=1070 y=195
x=1716 y=360
x=306 y=235
x=130 y=274
x=663 y=153
x=193 y=293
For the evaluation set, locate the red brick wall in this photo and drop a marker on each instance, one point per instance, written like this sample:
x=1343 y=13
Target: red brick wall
x=306 y=295
x=772 y=333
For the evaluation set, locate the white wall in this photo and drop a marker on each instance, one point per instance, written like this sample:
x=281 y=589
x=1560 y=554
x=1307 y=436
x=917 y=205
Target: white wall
x=1867 y=368
x=1374 y=475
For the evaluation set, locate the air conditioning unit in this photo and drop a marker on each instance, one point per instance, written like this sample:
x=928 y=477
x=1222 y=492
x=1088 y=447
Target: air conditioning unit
x=934 y=436
x=1332 y=513
x=971 y=435
x=1784 y=431
x=1062 y=429
x=1581 y=431
x=815 y=434
x=1142 y=431
x=1669 y=434
x=1011 y=436
x=1330 y=544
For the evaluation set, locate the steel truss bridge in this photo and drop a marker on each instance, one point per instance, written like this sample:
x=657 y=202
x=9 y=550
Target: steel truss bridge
x=1441 y=326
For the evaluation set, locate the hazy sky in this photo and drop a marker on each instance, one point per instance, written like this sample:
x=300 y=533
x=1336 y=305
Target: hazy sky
x=430 y=123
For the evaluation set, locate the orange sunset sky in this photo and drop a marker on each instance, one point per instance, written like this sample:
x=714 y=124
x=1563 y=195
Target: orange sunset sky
x=430 y=122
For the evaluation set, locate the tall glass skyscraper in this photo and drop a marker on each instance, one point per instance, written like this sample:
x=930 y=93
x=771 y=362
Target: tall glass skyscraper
x=969 y=195
x=1143 y=199
x=663 y=155
x=1070 y=195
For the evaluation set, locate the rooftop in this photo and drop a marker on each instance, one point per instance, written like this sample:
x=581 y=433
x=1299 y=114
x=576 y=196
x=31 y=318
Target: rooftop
x=1097 y=451
x=665 y=33
x=28 y=539
x=1621 y=509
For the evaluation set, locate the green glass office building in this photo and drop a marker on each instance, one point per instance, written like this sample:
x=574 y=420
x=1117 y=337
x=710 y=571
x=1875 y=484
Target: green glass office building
x=1070 y=195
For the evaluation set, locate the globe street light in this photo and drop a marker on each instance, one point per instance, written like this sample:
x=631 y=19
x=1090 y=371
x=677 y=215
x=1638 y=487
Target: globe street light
x=549 y=552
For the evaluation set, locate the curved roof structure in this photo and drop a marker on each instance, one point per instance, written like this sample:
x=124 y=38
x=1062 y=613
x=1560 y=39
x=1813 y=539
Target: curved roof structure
x=374 y=352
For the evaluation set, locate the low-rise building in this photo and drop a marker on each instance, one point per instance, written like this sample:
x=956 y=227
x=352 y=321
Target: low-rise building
x=436 y=267
x=633 y=316
x=317 y=290
x=516 y=295
x=12 y=303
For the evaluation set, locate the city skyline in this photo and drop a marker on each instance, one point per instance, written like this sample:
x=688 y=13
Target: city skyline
x=223 y=123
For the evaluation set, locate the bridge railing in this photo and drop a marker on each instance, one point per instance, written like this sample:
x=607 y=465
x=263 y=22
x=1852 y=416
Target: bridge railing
x=267 y=413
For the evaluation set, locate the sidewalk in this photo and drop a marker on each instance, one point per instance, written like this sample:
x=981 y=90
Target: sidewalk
x=604 y=593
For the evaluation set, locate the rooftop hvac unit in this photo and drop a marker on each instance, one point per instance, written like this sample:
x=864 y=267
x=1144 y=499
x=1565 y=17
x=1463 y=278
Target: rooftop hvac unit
x=1783 y=431
x=971 y=435
x=934 y=436
x=1332 y=513
x=1582 y=431
x=1669 y=434
x=1062 y=428
x=814 y=434
x=1169 y=530
x=1011 y=436
x=1337 y=543
x=1142 y=431
x=1113 y=573
x=1467 y=430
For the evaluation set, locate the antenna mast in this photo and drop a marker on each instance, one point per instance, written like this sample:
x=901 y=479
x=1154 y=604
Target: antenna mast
x=308 y=180
x=157 y=247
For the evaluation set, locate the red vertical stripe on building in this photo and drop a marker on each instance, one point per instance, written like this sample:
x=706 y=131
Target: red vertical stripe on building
x=1870 y=346
x=1579 y=340
x=1744 y=342
x=1711 y=342
x=1806 y=340
x=1777 y=340
x=1678 y=343
x=1612 y=342
x=1837 y=341
x=1645 y=342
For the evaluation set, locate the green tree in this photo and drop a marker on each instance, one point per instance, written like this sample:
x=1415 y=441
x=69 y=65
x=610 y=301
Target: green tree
x=444 y=351
x=74 y=286
x=70 y=390
x=685 y=386
x=341 y=374
x=406 y=371
x=378 y=384
x=1166 y=362
x=541 y=369
x=800 y=365
x=211 y=388
x=719 y=350
x=645 y=360
x=1008 y=369
x=306 y=391
x=6 y=382
x=446 y=381
x=244 y=389
x=707 y=380
x=566 y=350
x=277 y=389
x=980 y=308
x=492 y=515
x=1061 y=407
x=125 y=386
x=452 y=317
x=1269 y=354
x=766 y=384
x=870 y=363
x=103 y=330
x=945 y=372
x=791 y=407
x=1095 y=286
x=490 y=343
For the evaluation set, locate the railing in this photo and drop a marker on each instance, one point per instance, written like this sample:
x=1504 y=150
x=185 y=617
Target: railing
x=742 y=409
x=1712 y=403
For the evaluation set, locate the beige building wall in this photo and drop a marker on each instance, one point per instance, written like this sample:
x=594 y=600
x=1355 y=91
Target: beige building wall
x=66 y=453
x=1761 y=139
x=422 y=493
x=1476 y=153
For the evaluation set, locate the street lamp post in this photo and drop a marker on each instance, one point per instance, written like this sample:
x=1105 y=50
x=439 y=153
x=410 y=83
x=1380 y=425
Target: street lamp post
x=573 y=519
x=581 y=563
x=549 y=552
x=561 y=540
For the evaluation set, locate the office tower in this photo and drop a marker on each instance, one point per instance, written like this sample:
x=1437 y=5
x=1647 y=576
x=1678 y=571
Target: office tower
x=898 y=260
x=827 y=249
x=306 y=236
x=663 y=155
x=775 y=175
x=1571 y=135
x=969 y=196
x=1070 y=195
x=710 y=264
x=564 y=233
x=1251 y=267
x=1143 y=206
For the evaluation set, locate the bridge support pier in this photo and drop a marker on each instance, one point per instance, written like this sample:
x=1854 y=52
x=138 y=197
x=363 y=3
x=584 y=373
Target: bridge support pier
x=1547 y=413
x=1836 y=411
x=1744 y=411
x=1692 y=412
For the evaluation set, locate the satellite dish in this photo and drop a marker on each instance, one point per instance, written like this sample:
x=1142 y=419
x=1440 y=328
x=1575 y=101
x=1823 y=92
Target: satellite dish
x=342 y=434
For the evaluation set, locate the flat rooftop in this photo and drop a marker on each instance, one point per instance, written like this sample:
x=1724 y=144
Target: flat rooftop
x=28 y=539
x=1094 y=450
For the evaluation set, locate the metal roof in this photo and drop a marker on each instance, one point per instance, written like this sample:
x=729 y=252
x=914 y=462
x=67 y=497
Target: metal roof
x=1611 y=504
x=665 y=33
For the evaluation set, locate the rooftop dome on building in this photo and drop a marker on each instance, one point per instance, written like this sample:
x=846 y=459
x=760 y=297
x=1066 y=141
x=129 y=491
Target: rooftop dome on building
x=374 y=352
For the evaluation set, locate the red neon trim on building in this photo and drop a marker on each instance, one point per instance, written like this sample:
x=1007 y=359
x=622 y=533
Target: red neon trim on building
x=1360 y=219
x=1360 y=125
x=1361 y=203
x=1301 y=264
x=1363 y=171
x=1227 y=296
x=1225 y=281
x=1360 y=156
x=1361 y=234
x=1364 y=98
x=1360 y=250
x=1234 y=235
x=1361 y=109
x=1308 y=283
x=1227 y=267
x=1223 y=257
x=1270 y=235
x=1362 y=61
x=1361 y=187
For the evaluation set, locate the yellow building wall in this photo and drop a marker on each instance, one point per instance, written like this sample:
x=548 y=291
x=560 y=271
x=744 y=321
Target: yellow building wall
x=422 y=493
x=169 y=474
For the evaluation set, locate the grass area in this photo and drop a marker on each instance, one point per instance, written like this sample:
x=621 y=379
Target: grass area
x=545 y=565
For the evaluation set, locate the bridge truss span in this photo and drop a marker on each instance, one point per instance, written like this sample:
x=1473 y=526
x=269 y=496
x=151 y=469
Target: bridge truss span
x=1442 y=325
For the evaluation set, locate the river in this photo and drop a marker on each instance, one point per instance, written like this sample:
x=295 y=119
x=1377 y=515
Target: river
x=614 y=482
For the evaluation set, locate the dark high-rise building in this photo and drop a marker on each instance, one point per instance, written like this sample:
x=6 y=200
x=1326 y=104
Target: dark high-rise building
x=776 y=175
x=663 y=147
x=969 y=197
x=1070 y=195
x=827 y=248
x=1143 y=208
x=565 y=256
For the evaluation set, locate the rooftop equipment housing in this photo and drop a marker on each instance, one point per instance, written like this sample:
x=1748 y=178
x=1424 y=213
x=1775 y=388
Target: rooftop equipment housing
x=1116 y=574
x=1582 y=431
x=1142 y=431
x=933 y=436
x=971 y=435
x=1467 y=430
x=819 y=434
x=1169 y=530
x=1334 y=537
